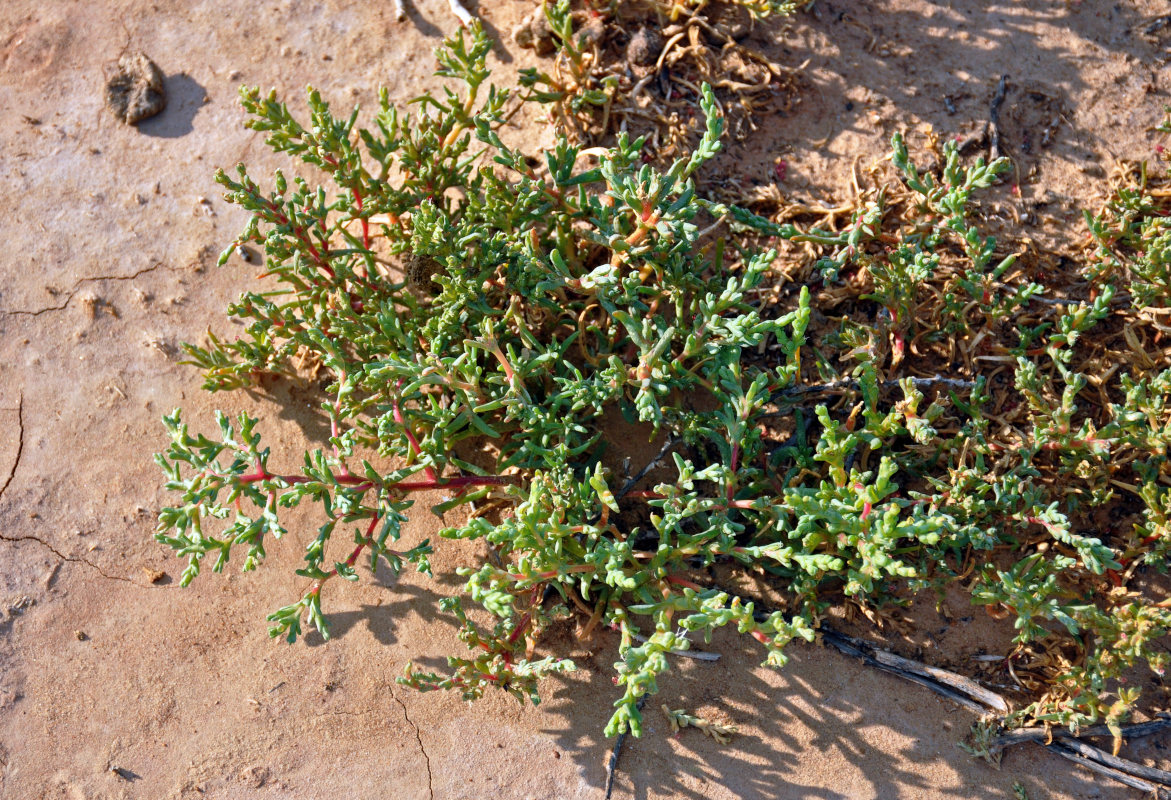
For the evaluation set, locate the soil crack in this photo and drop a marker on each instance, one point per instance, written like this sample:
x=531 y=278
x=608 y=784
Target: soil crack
x=74 y=559
x=77 y=287
x=419 y=739
x=38 y=540
x=19 y=444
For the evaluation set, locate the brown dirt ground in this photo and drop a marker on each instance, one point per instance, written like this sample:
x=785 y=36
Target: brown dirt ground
x=114 y=686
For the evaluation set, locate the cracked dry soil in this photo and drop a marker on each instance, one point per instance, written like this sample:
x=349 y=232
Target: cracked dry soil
x=116 y=684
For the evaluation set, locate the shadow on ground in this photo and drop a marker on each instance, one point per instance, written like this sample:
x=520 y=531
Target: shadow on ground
x=185 y=96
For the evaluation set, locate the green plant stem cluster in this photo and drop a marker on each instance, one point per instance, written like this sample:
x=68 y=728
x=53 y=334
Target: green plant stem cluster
x=486 y=319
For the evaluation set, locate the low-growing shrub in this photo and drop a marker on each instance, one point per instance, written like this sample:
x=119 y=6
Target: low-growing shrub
x=490 y=321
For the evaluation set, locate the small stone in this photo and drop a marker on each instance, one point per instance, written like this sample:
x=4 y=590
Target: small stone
x=593 y=32
x=644 y=48
x=255 y=777
x=733 y=19
x=542 y=32
x=522 y=34
x=49 y=574
x=124 y=774
x=136 y=91
x=20 y=605
x=534 y=32
x=154 y=575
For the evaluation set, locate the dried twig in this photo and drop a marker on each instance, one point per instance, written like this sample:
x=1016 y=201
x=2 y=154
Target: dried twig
x=957 y=688
x=465 y=17
x=698 y=655
x=1045 y=735
x=1088 y=751
x=612 y=767
x=994 y=119
x=976 y=698
x=1122 y=776
x=654 y=462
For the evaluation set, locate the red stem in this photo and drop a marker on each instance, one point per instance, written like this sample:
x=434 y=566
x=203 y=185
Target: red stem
x=406 y=486
x=337 y=410
x=401 y=420
x=365 y=222
x=315 y=589
x=675 y=579
x=365 y=225
x=544 y=576
x=457 y=482
x=300 y=233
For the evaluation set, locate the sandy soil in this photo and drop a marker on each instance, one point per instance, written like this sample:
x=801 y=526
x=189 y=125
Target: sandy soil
x=116 y=684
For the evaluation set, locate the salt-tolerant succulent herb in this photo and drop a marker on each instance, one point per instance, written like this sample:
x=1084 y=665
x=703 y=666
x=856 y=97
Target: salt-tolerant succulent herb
x=497 y=327
x=561 y=298
x=758 y=8
x=1133 y=236
x=572 y=89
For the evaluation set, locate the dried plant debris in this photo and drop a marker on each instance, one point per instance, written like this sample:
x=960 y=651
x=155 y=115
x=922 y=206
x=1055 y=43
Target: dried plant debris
x=637 y=68
x=680 y=719
x=136 y=91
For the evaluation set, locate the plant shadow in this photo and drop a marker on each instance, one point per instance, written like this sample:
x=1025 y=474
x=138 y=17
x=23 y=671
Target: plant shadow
x=821 y=706
x=295 y=399
x=898 y=739
x=381 y=619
